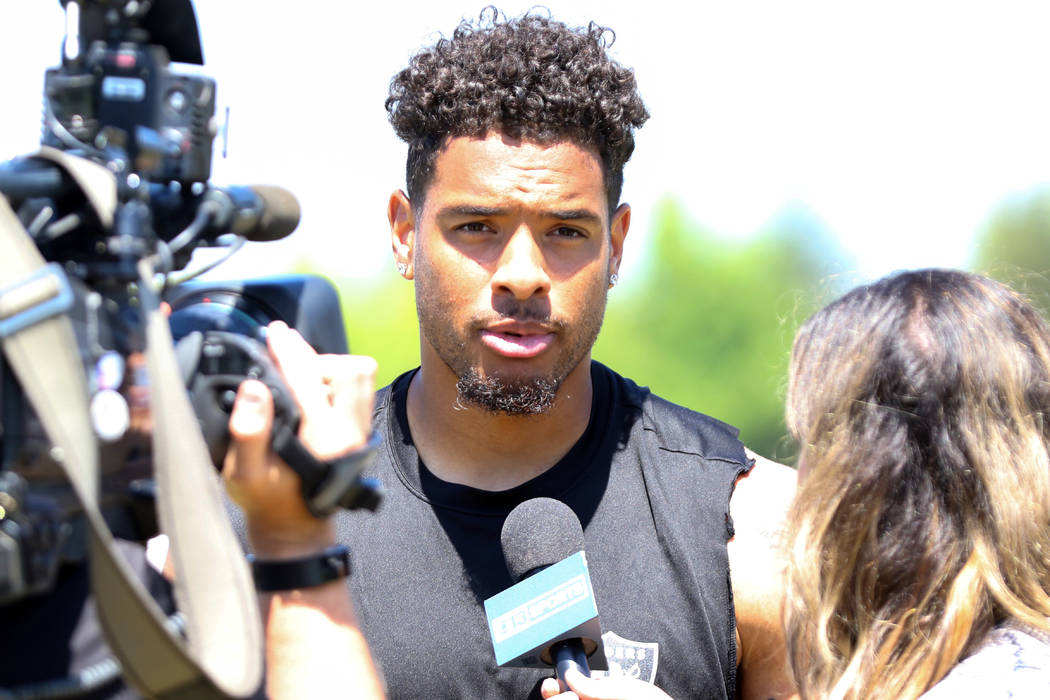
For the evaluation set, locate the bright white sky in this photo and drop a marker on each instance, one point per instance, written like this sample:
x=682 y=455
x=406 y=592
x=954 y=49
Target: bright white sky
x=899 y=123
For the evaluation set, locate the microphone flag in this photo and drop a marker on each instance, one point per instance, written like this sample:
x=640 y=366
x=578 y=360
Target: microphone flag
x=554 y=604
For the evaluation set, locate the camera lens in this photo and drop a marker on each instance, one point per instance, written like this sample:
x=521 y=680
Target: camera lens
x=221 y=311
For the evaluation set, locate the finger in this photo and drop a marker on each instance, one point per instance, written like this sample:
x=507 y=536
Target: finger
x=550 y=689
x=588 y=687
x=344 y=422
x=250 y=423
x=351 y=379
x=297 y=363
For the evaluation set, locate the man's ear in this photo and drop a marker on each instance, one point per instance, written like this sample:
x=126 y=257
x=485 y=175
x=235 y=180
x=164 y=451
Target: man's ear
x=402 y=232
x=621 y=221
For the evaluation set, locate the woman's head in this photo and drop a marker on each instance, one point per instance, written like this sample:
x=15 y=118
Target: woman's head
x=921 y=404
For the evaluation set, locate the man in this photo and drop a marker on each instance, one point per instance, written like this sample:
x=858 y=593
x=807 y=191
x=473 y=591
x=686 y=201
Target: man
x=512 y=232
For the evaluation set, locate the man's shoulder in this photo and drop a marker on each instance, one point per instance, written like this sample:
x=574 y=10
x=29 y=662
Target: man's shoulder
x=385 y=397
x=678 y=428
x=763 y=496
x=758 y=507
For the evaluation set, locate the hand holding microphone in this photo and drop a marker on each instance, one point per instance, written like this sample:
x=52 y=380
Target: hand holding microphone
x=581 y=687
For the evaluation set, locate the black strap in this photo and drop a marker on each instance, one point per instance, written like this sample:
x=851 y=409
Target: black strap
x=302 y=572
x=334 y=484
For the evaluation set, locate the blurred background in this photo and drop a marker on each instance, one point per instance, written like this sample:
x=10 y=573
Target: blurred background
x=795 y=150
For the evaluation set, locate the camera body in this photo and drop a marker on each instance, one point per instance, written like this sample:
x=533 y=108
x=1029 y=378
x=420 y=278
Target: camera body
x=116 y=92
x=220 y=329
x=107 y=101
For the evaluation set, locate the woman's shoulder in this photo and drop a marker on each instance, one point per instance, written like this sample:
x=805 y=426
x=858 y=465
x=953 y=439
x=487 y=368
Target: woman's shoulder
x=1012 y=662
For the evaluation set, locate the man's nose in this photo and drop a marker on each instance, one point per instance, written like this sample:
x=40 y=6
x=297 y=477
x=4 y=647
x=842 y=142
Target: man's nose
x=521 y=270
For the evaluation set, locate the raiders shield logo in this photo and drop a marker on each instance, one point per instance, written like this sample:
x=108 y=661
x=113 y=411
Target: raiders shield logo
x=631 y=659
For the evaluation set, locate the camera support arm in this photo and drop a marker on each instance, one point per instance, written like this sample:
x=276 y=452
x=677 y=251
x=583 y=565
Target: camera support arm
x=223 y=657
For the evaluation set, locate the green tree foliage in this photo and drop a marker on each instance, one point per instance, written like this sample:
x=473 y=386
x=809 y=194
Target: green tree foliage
x=711 y=320
x=380 y=319
x=706 y=322
x=1014 y=246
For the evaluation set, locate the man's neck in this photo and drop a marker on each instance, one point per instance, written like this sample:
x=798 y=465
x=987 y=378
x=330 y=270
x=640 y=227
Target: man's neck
x=465 y=444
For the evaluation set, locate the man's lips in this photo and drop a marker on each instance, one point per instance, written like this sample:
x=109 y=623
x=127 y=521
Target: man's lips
x=517 y=342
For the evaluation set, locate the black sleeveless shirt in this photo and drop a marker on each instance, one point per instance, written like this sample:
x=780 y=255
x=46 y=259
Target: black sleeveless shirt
x=650 y=482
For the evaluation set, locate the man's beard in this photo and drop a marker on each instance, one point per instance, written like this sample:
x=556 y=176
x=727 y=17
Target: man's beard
x=522 y=398
x=509 y=395
x=516 y=396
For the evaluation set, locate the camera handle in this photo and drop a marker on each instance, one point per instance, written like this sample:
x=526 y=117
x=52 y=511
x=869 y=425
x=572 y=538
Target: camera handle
x=223 y=657
x=213 y=364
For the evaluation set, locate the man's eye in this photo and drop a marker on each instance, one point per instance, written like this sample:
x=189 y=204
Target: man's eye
x=474 y=227
x=568 y=232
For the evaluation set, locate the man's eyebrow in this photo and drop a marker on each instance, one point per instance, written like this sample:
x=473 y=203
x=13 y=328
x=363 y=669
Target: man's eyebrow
x=470 y=210
x=585 y=215
x=465 y=210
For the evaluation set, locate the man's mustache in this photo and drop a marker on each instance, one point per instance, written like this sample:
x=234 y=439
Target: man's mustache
x=510 y=309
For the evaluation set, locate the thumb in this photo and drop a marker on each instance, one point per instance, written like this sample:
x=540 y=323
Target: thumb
x=585 y=685
x=550 y=689
x=250 y=423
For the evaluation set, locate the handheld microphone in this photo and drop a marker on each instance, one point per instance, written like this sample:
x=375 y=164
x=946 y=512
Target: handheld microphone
x=257 y=212
x=549 y=617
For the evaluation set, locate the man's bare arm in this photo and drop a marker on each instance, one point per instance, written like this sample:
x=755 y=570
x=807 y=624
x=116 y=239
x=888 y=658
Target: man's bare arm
x=314 y=647
x=759 y=504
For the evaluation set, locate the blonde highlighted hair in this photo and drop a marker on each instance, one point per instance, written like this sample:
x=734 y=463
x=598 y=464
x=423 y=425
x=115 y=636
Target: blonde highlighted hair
x=921 y=404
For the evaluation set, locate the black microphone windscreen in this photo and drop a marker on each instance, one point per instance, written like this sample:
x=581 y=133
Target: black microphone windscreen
x=280 y=213
x=538 y=533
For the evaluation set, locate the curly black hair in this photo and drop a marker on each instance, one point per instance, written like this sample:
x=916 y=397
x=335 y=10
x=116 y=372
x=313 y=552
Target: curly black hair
x=529 y=77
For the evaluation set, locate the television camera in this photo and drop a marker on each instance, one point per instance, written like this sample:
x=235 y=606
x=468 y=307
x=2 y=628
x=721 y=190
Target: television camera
x=109 y=212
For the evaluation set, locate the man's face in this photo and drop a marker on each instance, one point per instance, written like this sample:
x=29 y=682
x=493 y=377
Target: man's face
x=511 y=256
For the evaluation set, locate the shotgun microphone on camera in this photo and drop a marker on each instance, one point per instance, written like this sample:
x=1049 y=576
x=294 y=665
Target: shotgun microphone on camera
x=256 y=212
